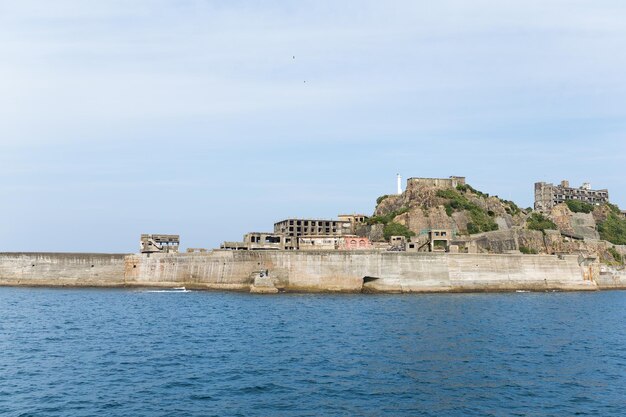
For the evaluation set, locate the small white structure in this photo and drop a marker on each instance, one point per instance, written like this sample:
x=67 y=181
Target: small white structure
x=399 y=184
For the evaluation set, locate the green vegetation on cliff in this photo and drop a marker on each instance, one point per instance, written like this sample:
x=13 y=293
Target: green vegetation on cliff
x=387 y=218
x=392 y=228
x=613 y=228
x=511 y=208
x=537 y=221
x=481 y=221
x=466 y=187
x=396 y=229
x=528 y=251
x=381 y=199
x=577 y=206
x=616 y=255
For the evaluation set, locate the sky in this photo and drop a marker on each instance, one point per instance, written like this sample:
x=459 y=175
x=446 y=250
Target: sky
x=210 y=119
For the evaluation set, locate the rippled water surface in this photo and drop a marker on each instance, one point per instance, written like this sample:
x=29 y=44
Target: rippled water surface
x=136 y=353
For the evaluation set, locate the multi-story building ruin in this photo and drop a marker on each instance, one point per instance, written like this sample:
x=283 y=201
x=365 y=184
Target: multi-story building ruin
x=159 y=243
x=354 y=219
x=297 y=228
x=307 y=234
x=549 y=195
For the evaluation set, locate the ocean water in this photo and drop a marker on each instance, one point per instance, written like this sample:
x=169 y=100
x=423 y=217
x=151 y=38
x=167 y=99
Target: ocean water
x=84 y=352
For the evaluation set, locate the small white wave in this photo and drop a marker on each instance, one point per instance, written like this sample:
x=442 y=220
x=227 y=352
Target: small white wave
x=175 y=290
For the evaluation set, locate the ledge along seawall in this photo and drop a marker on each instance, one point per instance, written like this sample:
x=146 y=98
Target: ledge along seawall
x=312 y=271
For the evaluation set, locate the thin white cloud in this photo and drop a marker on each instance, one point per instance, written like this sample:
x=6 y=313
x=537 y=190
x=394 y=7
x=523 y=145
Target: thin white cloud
x=70 y=64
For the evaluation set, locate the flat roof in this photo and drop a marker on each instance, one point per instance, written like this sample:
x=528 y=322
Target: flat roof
x=430 y=178
x=309 y=220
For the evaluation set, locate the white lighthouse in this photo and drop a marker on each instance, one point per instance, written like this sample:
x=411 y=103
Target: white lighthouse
x=399 y=184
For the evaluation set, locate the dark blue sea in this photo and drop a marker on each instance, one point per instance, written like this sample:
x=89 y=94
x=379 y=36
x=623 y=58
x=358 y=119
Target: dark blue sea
x=73 y=352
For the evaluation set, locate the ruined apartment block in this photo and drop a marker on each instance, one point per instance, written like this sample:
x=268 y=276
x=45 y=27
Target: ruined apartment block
x=549 y=195
x=297 y=228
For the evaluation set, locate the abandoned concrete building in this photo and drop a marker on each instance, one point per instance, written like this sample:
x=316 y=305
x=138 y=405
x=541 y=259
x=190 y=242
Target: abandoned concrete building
x=307 y=234
x=355 y=243
x=258 y=241
x=549 y=195
x=354 y=219
x=434 y=240
x=451 y=182
x=264 y=241
x=274 y=241
x=397 y=243
x=347 y=242
x=318 y=243
x=439 y=240
x=159 y=243
x=296 y=228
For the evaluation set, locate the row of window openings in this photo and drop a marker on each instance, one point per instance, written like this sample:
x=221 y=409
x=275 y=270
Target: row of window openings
x=560 y=199
x=311 y=223
x=329 y=241
x=268 y=239
x=583 y=192
x=311 y=229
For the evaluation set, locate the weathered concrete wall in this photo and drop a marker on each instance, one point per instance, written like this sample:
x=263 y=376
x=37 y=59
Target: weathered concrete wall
x=345 y=271
x=612 y=281
x=310 y=271
x=486 y=272
x=58 y=269
x=612 y=277
x=219 y=269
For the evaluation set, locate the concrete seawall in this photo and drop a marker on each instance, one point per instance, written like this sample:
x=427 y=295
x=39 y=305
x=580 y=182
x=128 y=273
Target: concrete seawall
x=62 y=269
x=371 y=271
x=314 y=271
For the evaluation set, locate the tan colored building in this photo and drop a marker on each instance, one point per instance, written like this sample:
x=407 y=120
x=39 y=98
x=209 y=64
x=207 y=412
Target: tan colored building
x=308 y=243
x=348 y=242
x=354 y=219
x=297 y=228
x=549 y=195
x=258 y=241
x=397 y=243
x=355 y=243
x=451 y=182
x=436 y=240
x=152 y=243
x=439 y=240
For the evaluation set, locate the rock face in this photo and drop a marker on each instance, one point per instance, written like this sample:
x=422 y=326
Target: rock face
x=420 y=220
x=426 y=209
x=425 y=206
x=577 y=225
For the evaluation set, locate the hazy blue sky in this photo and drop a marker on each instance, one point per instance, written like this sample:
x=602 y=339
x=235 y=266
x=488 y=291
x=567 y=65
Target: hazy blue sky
x=192 y=117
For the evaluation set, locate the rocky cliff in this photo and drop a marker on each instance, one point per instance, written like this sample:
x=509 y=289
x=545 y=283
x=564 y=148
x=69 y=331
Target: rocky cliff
x=481 y=223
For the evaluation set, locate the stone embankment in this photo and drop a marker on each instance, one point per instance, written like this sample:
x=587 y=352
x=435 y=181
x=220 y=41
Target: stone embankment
x=62 y=269
x=321 y=271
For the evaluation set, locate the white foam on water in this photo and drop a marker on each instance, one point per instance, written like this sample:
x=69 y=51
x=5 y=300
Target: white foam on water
x=171 y=290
